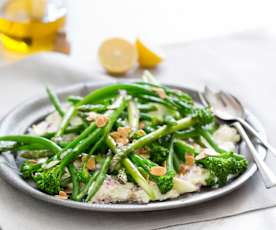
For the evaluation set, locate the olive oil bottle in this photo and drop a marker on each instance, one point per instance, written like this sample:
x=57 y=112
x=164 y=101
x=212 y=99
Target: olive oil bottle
x=28 y=26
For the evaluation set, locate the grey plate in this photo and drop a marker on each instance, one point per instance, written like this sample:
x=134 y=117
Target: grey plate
x=25 y=114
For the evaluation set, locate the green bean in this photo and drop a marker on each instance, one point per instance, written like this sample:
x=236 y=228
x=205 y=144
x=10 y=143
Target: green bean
x=73 y=129
x=147 y=107
x=74 y=99
x=28 y=139
x=55 y=101
x=87 y=186
x=66 y=121
x=111 y=90
x=93 y=189
x=74 y=175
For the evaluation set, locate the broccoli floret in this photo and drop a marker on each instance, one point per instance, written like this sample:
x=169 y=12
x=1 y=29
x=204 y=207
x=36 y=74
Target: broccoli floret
x=49 y=180
x=28 y=168
x=158 y=153
x=204 y=116
x=164 y=183
x=223 y=166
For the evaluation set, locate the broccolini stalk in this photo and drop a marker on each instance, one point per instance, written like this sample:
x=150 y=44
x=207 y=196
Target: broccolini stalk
x=164 y=182
x=201 y=117
x=138 y=178
x=170 y=165
x=208 y=137
x=186 y=134
x=74 y=175
x=55 y=101
x=182 y=147
x=132 y=170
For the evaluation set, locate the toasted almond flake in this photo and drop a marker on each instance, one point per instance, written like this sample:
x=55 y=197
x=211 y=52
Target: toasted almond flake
x=101 y=121
x=124 y=131
x=189 y=159
x=121 y=135
x=183 y=169
x=62 y=193
x=61 y=197
x=142 y=125
x=158 y=171
x=160 y=92
x=205 y=153
x=122 y=141
x=91 y=164
x=92 y=116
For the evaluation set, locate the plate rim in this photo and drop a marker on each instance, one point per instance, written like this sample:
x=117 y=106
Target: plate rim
x=10 y=176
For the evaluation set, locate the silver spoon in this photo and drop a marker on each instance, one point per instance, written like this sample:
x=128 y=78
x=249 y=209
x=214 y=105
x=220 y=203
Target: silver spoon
x=226 y=108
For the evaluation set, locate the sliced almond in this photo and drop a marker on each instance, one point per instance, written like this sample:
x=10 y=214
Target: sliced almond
x=122 y=141
x=205 y=153
x=158 y=171
x=189 y=159
x=124 y=131
x=91 y=164
x=62 y=193
x=183 y=169
x=101 y=121
x=160 y=92
x=61 y=197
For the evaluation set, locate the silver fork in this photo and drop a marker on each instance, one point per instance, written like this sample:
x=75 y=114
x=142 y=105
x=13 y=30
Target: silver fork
x=237 y=113
x=225 y=107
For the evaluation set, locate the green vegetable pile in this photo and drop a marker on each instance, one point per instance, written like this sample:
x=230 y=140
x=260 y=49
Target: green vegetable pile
x=127 y=130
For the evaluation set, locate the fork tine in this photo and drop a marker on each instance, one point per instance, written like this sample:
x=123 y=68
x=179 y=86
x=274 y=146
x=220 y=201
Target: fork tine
x=225 y=98
x=211 y=97
x=229 y=98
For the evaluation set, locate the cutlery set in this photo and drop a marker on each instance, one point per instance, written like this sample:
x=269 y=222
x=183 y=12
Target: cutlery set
x=228 y=108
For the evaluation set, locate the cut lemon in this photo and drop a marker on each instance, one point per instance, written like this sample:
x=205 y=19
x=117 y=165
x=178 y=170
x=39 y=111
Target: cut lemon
x=147 y=57
x=117 y=55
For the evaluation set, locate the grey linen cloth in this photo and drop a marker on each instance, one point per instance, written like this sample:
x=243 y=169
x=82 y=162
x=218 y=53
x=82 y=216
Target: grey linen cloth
x=243 y=64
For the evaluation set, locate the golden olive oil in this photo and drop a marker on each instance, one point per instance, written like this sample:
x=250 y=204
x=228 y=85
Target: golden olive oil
x=30 y=25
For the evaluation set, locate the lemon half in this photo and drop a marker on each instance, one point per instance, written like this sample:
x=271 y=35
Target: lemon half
x=117 y=55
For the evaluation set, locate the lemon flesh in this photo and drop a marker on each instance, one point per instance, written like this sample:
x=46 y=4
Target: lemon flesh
x=117 y=55
x=147 y=57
